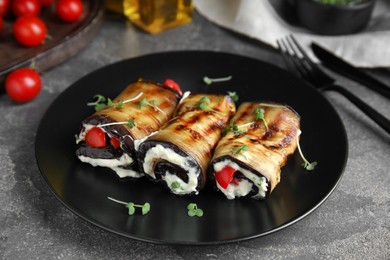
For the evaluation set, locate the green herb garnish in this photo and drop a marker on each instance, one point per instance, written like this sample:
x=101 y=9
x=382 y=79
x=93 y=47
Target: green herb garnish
x=175 y=185
x=242 y=148
x=151 y=103
x=109 y=102
x=119 y=104
x=306 y=164
x=233 y=95
x=100 y=102
x=154 y=102
x=130 y=123
x=131 y=206
x=193 y=210
x=260 y=182
x=235 y=128
x=209 y=81
x=204 y=101
x=259 y=114
x=226 y=129
x=142 y=103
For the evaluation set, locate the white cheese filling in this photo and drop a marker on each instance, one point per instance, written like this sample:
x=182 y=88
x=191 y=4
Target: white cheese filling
x=114 y=164
x=177 y=185
x=243 y=187
x=185 y=95
x=137 y=143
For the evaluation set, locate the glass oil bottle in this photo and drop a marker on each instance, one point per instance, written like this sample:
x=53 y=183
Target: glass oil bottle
x=154 y=16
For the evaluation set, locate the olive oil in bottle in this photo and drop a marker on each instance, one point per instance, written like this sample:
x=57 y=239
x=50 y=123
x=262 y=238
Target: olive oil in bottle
x=155 y=16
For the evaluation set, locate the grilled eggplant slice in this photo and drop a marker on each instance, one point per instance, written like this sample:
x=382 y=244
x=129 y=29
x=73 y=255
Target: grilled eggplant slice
x=248 y=159
x=107 y=137
x=178 y=155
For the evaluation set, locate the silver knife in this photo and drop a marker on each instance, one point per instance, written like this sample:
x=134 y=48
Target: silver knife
x=342 y=67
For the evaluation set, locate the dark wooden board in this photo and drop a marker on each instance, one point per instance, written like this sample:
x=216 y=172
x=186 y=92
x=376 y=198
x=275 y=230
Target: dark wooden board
x=65 y=40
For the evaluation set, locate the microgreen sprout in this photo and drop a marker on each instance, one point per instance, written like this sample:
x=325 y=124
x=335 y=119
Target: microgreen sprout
x=233 y=95
x=193 y=210
x=259 y=114
x=226 y=129
x=204 y=101
x=142 y=103
x=260 y=182
x=209 y=81
x=232 y=126
x=100 y=102
x=242 y=148
x=151 y=103
x=131 y=206
x=306 y=164
x=131 y=99
x=235 y=128
x=109 y=102
x=130 y=123
x=257 y=180
x=175 y=185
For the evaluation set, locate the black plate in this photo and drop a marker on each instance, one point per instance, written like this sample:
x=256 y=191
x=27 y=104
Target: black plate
x=84 y=189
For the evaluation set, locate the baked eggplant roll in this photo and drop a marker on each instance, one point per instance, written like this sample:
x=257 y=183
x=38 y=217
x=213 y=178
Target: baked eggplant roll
x=107 y=137
x=178 y=155
x=248 y=159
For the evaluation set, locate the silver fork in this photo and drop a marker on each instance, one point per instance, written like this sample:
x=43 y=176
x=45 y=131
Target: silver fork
x=298 y=61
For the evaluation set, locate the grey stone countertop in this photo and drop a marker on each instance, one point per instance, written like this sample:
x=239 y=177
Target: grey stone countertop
x=353 y=223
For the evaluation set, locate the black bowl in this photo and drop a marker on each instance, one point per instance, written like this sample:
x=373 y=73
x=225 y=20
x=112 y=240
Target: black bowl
x=327 y=19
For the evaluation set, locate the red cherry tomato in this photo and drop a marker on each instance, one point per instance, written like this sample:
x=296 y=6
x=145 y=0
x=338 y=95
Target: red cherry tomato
x=225 y=176
x=25 y=7
x=4 y=6
x=96 y=138
x=29 y=30
x=115 y=142
x=69 y=10
x=45 y=3
x=23 y=85
x=173 y=85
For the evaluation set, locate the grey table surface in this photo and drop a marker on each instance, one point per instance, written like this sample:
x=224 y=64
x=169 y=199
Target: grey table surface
x=353 y=223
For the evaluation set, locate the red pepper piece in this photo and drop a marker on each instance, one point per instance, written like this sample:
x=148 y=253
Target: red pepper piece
x=154 y=165
x=170 y=83
x=115 y=142
x=225 y=176
x=235 y=181
x=96 y=138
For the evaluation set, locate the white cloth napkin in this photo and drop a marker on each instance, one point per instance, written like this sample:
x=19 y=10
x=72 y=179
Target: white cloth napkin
x=258 y=19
